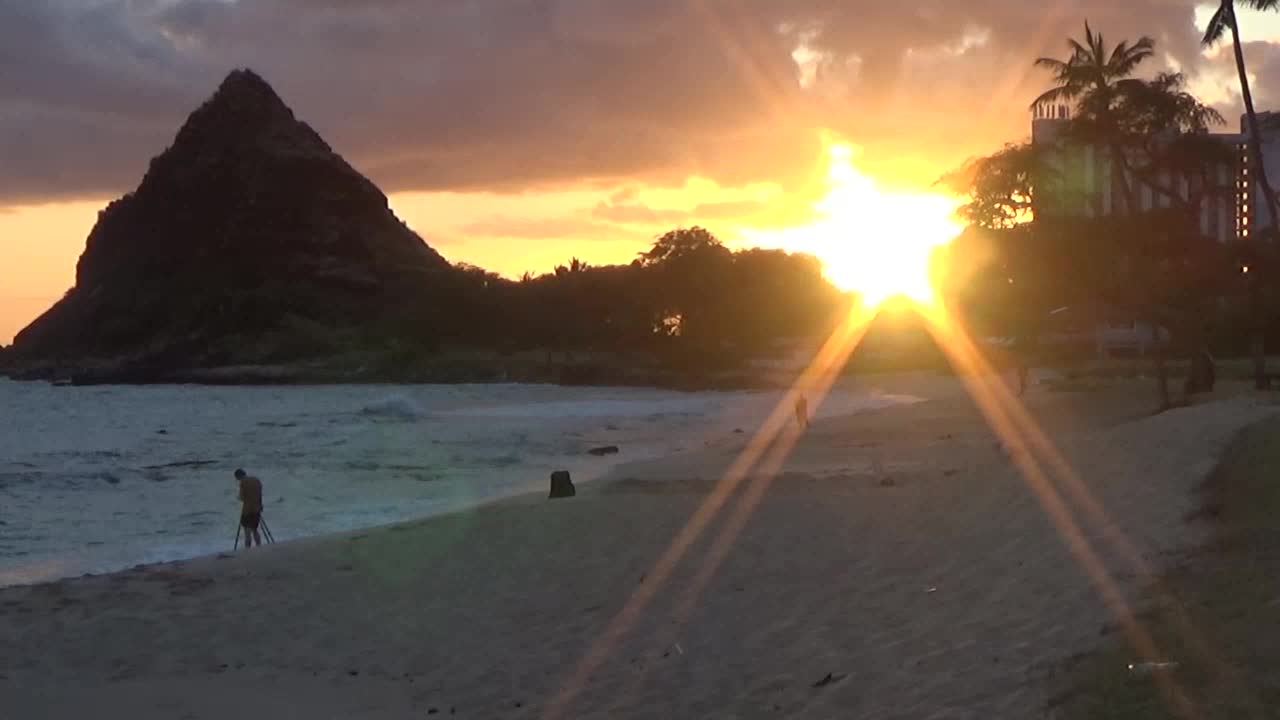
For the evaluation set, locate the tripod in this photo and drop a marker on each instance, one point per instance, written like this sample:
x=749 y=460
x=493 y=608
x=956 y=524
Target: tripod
x=266 y=533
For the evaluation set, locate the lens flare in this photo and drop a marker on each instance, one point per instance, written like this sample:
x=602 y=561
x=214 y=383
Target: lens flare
x=871 y=241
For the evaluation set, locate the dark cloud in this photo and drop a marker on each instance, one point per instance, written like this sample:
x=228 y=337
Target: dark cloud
x=521 y=94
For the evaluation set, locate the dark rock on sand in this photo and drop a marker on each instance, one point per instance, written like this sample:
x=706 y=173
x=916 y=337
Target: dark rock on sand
x=561 y=485
x=604 y=450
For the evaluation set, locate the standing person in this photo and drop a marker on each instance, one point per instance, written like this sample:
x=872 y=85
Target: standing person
x=1023 y=347
x=250 y=507
x=802 y=412
x=1024 y=365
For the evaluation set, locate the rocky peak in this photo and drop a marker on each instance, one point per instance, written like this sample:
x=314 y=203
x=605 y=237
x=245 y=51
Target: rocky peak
x=241 y=122
x=248 y=223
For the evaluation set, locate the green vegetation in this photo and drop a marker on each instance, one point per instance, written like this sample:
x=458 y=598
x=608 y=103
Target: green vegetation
x=1225 y=593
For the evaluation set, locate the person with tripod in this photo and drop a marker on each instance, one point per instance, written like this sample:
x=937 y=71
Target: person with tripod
x=250 y=507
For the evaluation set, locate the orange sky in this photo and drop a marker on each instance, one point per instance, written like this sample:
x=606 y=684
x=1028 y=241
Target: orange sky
x=610 y=220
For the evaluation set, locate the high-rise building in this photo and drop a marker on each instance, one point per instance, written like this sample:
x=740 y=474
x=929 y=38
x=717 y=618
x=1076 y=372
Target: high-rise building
x=1082 y=181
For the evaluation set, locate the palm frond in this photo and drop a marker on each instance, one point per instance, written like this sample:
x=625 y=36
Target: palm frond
x=1210 y=116
x=1053 y=64
x=1097 y=46
x=1218 y=24
x=1264 y=5
x=1127 y=58
x=1053 y=96
x=1145 y=44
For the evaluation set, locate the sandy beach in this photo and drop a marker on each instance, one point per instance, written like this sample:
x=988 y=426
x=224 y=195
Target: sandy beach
x=898 y=566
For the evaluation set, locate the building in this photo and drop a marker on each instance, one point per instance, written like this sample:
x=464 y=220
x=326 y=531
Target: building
x=1109 y=332
x=1082 y=182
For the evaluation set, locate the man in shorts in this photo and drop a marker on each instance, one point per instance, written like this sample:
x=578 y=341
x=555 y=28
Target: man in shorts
x=250 y=507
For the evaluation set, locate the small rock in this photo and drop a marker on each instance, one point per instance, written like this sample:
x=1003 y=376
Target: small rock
x=432 y=711
x=827 y=680
x=561 y=485
x=353 y=673
x=162 y=432
x=604 y=450
x=887 y=481
x=738 y=431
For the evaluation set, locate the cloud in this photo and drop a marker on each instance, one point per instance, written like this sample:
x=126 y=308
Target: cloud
x=562 y=227
x=758 y=214
x=516 y=95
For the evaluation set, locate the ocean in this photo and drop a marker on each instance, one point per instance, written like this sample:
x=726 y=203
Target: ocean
x=95 y=479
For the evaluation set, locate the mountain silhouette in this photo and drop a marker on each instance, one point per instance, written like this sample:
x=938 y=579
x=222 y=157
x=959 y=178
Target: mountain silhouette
x=249 y=239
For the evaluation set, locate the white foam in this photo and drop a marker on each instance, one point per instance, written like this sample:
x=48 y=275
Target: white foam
x=398 y=408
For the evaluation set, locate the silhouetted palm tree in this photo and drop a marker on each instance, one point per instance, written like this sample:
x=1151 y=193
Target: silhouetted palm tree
x=1225 y=19
x=1094 y=78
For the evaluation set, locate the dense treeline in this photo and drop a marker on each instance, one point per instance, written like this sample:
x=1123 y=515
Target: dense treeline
x=687 y=296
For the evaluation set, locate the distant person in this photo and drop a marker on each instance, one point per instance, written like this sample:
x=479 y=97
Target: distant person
x=250 y=507
x=1022 y=350
x=802 y=412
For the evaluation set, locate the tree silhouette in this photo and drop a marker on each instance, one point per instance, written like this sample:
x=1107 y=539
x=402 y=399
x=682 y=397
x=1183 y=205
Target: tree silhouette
x=1001 y=188
x=1223 y=19
x=1093 y=79
x=687 y=302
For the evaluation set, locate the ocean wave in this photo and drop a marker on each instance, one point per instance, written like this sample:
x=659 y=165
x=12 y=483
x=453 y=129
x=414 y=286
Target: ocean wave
x=395 y=408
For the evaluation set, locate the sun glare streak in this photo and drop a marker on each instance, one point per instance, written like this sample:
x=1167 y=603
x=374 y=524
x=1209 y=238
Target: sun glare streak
x=815 y=385
x=819 y=375
x=774 y=442
x=1079 y=492
x=993 y=405
x=870 y=241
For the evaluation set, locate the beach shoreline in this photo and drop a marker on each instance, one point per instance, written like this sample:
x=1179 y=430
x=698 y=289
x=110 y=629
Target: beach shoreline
x=92 y=493
x=898 y=552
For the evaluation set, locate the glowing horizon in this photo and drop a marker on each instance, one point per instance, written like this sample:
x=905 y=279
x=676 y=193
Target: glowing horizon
x=853 y=216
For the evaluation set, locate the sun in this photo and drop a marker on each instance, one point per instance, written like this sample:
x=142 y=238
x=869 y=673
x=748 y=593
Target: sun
x=871 y=241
